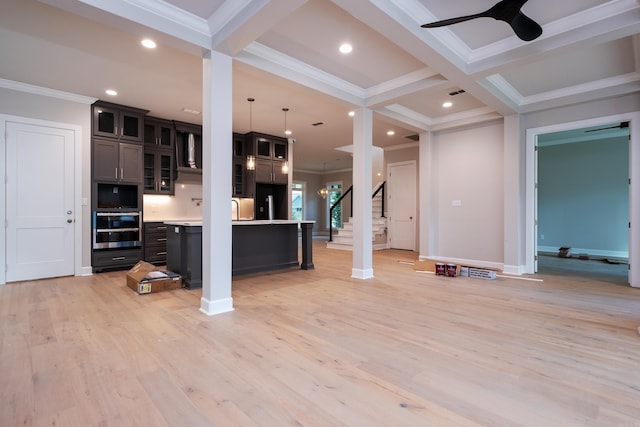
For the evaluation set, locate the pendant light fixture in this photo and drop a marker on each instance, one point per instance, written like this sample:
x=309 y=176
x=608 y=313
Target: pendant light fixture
x=285 y=165
x=286 y=130
x=323 y=192
x=251 y=159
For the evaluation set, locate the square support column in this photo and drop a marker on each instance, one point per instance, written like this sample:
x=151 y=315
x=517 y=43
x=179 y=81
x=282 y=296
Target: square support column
x=362 y=205
x=514 y=242
x=425 y=203
x=217 y=136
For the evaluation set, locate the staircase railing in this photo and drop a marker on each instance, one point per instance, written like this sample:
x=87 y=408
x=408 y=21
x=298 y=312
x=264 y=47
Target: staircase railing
x=337 y=202
x=380 y=189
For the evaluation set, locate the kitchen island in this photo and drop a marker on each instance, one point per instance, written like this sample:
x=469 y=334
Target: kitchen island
x=257 y=246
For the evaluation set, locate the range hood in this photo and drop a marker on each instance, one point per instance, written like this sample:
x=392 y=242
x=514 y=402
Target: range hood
x=187 y=174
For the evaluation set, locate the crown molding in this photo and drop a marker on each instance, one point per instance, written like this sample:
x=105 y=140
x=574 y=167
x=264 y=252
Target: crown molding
x=43 y=91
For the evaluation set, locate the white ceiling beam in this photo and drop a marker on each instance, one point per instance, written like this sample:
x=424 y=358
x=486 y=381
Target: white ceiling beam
x=236 y=24
x=274 y=62
x=157 y=15
x=388 y=92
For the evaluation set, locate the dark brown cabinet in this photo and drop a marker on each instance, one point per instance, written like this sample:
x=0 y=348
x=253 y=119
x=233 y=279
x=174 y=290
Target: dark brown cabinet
x=118 y=122
x=271 y=152
x=159 y=133
x=242 y=178
x=115 y=161
x=115 y=259
x=155 y=242
x=270 y=172
x=158 y=172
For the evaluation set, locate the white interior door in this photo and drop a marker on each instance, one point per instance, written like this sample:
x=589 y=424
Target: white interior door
x=402 y=205
x=39 y=201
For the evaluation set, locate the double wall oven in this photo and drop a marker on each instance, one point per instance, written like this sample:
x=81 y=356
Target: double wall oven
x=117 y=229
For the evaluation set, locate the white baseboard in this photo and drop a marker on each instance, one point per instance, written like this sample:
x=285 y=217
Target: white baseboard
x=211 y=308
x=357 y=273
x=592 y=252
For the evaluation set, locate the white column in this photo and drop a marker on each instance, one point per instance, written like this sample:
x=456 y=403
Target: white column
x=362 y=223
x=290 y=179
x=514 y=242
x=217 y=134
x=426 y=238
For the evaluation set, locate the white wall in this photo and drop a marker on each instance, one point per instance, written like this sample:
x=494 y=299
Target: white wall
x=78 y=113
x=468 y=194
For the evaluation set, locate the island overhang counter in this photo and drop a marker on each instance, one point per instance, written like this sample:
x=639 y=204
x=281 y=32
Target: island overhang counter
x=257 y=246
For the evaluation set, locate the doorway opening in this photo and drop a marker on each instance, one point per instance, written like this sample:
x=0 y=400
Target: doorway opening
x=583 y=201
x=579 y=198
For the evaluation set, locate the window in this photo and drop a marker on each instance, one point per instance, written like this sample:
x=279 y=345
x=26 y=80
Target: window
x=335 y=192
x=297 y=201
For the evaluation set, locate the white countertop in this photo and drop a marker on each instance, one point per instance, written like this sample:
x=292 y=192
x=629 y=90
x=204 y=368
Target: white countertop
x=198 y=222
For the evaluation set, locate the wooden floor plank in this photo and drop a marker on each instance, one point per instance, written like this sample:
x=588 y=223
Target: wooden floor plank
x=318 y=348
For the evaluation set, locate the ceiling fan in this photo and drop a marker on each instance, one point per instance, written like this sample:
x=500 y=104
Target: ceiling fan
x=508 y=11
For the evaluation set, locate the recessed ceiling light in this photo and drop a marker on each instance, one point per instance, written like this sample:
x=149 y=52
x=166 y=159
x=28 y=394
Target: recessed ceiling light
x=391 y=133
x=448 y=104
x=287 y=132
x=148 y=43
x=191 y=111
x=352 y=113
x=346 y=48
x=111 y=92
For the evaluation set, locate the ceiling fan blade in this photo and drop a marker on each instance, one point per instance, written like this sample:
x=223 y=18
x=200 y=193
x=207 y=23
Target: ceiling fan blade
x=508 y=11
x=451 y=21
x=525 y=28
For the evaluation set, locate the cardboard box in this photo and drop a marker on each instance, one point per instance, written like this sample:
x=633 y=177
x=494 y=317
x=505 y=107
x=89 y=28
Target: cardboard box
x=144 y=278
x=481 y=273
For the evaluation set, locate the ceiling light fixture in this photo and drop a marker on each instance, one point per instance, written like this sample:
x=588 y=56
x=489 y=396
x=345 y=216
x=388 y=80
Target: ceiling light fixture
x=148 y=43
x=352 y=113
x=191 y=111
x=111 y=92
x=391 y=133
x=447 y=104
x=346 y=48
x=286 y=130
x=251 y=160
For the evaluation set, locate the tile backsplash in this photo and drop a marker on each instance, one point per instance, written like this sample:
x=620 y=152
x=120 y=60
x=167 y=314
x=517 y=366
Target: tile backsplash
x=186 y=203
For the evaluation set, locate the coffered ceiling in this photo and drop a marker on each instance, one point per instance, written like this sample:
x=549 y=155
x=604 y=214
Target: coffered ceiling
x=286 y=55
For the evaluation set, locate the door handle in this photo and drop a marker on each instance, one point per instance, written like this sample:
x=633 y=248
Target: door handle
x=69 y=212
x=69 y=220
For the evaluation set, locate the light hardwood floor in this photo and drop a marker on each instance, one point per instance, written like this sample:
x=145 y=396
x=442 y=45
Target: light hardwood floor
x=317 y=348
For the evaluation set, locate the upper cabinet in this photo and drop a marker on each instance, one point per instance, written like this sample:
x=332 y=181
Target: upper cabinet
x=268 y=146
x=271 y=153
x=118 y=121
x=158 y=133
x=117 y=162
x=241 y=177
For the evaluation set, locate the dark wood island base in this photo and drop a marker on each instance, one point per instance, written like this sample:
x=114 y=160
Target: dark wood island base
x=257 y=246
